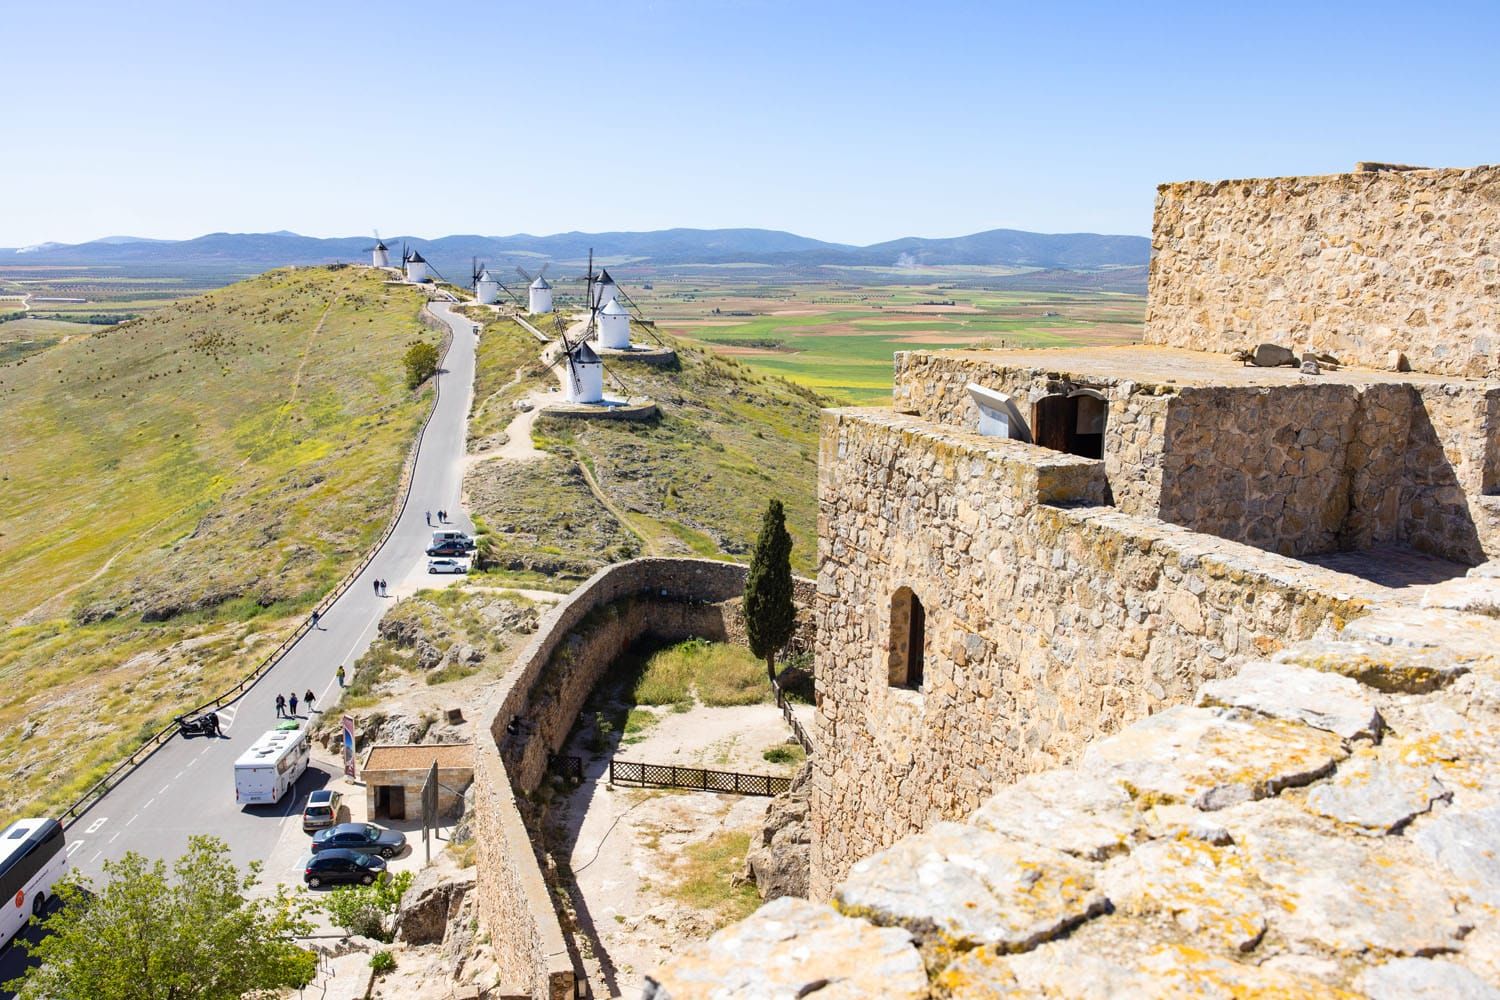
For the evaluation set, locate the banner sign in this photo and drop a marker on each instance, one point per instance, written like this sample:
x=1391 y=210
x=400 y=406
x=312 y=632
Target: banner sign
x=349 y=745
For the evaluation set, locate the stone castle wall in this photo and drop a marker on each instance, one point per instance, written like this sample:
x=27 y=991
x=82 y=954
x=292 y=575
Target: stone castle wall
x=1300 y=468
x=545 y=687
x=1358 y=265
x=1050 y=619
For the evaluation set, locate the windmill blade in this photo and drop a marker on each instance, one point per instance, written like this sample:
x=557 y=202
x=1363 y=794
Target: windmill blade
x=525 y=274
x=543 y=272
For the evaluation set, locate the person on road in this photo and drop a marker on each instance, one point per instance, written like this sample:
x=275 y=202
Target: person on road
x=307 y=700
x=280 y=705
x=429 y=518
x=376 y=584
x=292 y=702
x=315 y=617
x=213 y=723
x=385 y=588
x=340 y=674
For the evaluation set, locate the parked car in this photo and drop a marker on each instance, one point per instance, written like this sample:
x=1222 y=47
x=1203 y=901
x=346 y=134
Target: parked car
x=366 y=837
x=322 y=809
x=446 y=566
x=452 y=547
x=334 y=867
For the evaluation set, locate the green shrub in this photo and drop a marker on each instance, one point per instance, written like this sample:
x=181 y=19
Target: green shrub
x=382 y=962
x=421 y=363
x=787 y=753
x=362 y=909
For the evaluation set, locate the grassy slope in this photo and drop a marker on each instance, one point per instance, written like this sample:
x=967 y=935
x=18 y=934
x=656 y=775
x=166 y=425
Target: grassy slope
x=697 y=479
x=178 y=491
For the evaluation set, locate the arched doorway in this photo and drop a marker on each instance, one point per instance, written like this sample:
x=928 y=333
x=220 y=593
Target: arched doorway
x=1072 y=422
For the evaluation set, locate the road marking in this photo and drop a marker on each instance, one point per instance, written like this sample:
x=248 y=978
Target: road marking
x=75 y=845
x=148 y=803
x=178 y=774
x=191 y=763
x=96 y=824
x=117 y=833
x=163 y=790
x=96 y=856
x=130 y=821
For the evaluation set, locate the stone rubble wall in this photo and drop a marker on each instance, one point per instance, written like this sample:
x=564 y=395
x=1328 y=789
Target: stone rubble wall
x=1298 y=469
x=1051 y=618
x=668 y=597
x=1320 y=823
x=1358 y=265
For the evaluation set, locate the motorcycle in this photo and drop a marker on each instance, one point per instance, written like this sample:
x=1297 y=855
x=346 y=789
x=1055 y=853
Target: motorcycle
x=203 y=725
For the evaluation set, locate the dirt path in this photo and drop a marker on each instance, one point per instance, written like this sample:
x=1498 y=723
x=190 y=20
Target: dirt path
x=648 y=542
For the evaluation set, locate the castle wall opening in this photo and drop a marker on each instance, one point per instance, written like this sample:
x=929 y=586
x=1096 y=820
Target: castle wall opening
x=908 y=639
x=1071 y=422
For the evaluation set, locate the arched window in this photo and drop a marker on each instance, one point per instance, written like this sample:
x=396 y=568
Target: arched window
x=908 y=636
x=1072 y=422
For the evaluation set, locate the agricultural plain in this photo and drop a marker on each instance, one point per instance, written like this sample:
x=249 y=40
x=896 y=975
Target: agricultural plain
x=179 y=490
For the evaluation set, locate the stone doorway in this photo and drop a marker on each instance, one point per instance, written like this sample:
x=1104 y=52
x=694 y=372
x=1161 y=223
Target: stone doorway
x=1072 y=422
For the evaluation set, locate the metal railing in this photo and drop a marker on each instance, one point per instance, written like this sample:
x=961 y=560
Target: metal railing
x=672 y=776
x=155 y=742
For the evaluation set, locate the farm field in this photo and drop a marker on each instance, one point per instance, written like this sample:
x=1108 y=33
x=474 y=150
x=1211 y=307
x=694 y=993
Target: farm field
x=837 y=337
x=179 y=490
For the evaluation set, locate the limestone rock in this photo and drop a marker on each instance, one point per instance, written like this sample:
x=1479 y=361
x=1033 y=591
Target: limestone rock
x=1478 y=595
x=1376 y=793
x=1463 y=637
x=1206 y=891
x=1116 y=957
x=1297 y=694
x=1424 y=979
x=434 y=897
x=780 y=863
x=793 y=948
x=1175 y=820
x=1069 y=811
x=1347 y=895
x=1272 y=356
x=1212 y=758
x=1466 y=842
x=954 y=884
x=1401 y=669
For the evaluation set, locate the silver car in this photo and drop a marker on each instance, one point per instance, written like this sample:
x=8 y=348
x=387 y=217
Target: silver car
x=446 y=566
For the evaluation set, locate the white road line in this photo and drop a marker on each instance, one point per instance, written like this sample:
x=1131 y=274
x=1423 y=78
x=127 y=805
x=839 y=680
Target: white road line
x=117 y=833
x=191 y=763
x=75 y=845
x=96 y=824
x=148 y=803
x=96 y=856
x=163 y=790
x=129 y=821
x=178 y=774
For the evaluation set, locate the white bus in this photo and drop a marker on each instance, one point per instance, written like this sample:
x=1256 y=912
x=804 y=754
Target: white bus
x=263 y=773
x=31 y=860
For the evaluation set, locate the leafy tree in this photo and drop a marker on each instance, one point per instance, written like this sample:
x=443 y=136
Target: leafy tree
x=770 y=616
x=362 y=909
x=421 y=361
x=193 y=934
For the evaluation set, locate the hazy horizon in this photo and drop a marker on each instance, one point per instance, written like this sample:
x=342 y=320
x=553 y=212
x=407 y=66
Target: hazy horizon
x=844 y=122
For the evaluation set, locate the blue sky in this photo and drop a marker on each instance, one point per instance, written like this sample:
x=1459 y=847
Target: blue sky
x=853 y=122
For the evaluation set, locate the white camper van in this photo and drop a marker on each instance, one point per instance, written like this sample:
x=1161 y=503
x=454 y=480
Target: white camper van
x=263 y=773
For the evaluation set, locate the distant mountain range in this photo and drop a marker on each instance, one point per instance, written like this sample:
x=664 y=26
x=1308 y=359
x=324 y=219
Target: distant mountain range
x=253 y=252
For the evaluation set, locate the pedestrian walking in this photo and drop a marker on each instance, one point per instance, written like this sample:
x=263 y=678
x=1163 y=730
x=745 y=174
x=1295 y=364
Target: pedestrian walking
x=280 y=705
x=340 y=674
x=307 y=700
x=385 y=588
x=429 y=518
x=315 y=619
x=376 y=582
x=292 y=702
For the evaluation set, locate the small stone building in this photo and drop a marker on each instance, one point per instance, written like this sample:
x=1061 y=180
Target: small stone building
x=393 y=777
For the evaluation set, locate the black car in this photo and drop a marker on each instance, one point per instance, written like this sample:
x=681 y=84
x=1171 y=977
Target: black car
x=450 y=548
x=364 y=837
x=336 y=866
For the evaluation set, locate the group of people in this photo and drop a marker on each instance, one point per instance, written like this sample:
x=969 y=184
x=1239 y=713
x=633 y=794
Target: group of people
x=286 y=706
x=442 y=517
x=380 y=588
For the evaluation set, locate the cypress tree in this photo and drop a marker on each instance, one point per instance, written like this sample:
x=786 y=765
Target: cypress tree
x=769 y=612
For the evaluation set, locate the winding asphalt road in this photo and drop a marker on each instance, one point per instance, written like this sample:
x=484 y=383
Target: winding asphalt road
x=187 y=787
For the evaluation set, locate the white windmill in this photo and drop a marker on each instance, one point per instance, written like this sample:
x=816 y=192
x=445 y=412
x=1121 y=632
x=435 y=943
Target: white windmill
x=486 y=286
x=614 y=326
x=604 y=288
x=380 y=255
x=538 y=292
x=416 y=266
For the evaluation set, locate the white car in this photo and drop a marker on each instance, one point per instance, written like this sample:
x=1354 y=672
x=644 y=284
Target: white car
x=447 y=566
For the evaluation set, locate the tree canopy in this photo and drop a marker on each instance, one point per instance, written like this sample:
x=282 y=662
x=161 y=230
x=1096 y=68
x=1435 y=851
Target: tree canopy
x=191 y=934
x=421 y=361
x=770 y=615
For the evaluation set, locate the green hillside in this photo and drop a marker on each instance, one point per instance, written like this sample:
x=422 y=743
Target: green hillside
x=693 y=481
x=179 y=490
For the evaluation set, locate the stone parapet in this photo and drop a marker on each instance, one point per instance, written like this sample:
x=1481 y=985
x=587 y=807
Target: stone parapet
x=1323 y=824
x=1359 y=265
